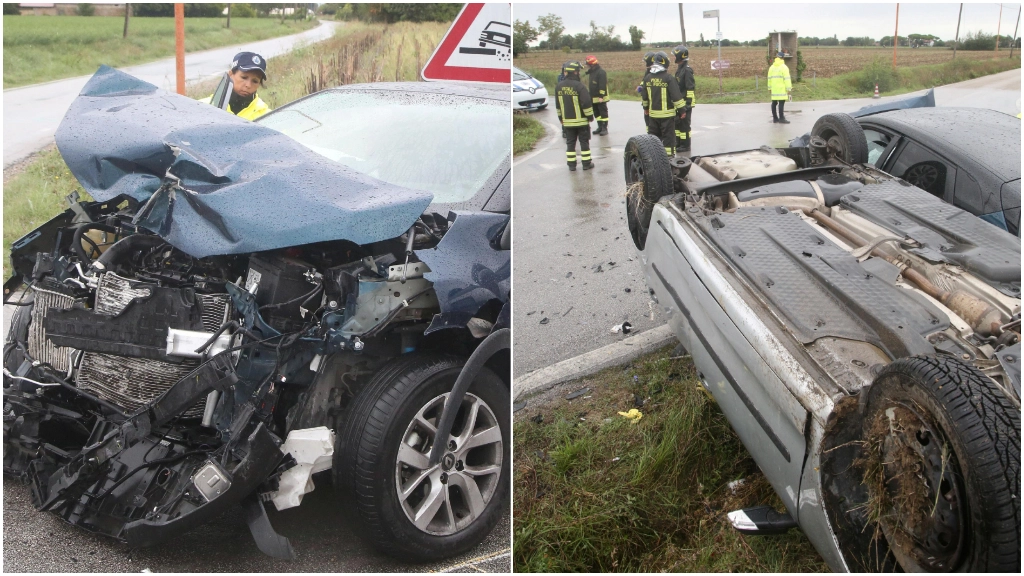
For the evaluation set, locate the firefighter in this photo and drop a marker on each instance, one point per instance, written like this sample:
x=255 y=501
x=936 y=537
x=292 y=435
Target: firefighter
x=648 y=62
x=780 y=86
x=684 y=76
x=248 y=72
x=662 y=101
x=598 y=94
x=575 y=112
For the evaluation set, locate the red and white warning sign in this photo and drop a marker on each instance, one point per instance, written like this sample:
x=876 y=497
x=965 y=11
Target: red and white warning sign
x=477 y=48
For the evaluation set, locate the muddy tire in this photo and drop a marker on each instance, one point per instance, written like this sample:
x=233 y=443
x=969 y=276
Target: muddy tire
x=381 y=454
x=844 y=136
x=946 y=480
x=645 y=161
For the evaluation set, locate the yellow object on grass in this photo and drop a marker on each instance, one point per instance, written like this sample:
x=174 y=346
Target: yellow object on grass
x=633 y=414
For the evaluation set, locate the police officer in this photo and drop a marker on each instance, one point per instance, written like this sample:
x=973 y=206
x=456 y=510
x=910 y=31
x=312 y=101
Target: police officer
x=247 y=74
x=662 y=101
x=780 y=85
x=684 y=76
x=598 y=94
x=575 y=111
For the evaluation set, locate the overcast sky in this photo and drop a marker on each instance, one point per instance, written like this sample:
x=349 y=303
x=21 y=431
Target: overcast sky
x=751 y=21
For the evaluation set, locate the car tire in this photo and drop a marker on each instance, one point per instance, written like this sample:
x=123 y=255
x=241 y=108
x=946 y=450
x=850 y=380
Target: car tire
x=369 y=471
x=930 y=479
x=644 y=160
x=844 y=136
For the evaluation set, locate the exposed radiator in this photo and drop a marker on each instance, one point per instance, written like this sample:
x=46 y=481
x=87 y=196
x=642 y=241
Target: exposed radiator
x=39 y=346
x=127 y=382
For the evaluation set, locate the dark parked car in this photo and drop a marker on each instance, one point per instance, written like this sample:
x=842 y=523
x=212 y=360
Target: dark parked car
x=969 y=157
x=245 y=304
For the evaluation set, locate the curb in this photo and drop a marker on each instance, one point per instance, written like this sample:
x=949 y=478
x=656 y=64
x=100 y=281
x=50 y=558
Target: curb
x=593 y=361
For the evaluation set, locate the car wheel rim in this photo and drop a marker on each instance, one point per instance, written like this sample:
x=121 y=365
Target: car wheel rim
x=922 y=501
x=448 y=497
x=636 y=170
x=923 y=176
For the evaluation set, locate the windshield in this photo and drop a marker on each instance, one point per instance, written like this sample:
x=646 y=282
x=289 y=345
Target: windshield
x=447 y=145
x=518 y=75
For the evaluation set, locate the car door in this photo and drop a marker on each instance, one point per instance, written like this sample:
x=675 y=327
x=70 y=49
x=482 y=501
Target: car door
x=924 y=168
x=728 y=344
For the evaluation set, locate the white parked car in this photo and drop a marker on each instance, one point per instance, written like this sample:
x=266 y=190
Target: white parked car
x=528 y=93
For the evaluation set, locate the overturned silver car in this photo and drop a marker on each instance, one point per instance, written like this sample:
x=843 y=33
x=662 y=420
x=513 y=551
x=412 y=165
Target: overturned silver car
x=861 y=336
x=247 y=304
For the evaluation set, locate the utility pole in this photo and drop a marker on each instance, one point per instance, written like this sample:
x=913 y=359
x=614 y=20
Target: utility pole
x=127 y=15
x=957 y=41
x=999 y=26
x=896 y=35
x=229 y=17
x=179 y=47
x=682 y=25
x=1013 y=44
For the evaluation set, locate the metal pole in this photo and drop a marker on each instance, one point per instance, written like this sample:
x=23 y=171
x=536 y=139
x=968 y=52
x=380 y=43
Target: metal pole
x=999 y=26
x=718 y=22
x=896 y=35
x=127 y=15
x=229 y=17
x=682 y=25
x=1014 y=43
x=179 y=46
x=957 y=41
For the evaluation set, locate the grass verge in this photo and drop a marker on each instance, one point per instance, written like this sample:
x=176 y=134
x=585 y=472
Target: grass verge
x=596 y=492
x=44 y=48
x=860 y=84
x=525 y=132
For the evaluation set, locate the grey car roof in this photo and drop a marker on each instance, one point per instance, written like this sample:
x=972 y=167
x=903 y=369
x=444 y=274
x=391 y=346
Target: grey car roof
x=988 y=138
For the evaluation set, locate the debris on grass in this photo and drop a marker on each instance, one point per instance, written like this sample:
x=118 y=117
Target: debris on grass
x=633 y=414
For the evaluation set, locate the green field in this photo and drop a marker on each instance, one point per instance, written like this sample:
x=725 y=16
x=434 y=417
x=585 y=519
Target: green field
x=44 y=48
x=596 y=492
x=857 y=84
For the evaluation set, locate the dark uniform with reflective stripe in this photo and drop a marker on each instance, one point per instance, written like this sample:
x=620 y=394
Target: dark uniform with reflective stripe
x=575 y=110
x=684 y=76
x=661 y=98
x=599 y=95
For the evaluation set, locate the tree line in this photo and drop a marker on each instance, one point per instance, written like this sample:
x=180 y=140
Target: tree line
x=604 y=39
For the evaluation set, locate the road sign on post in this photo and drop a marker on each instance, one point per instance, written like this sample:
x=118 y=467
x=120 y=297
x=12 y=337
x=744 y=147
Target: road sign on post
x=718 y=35
x=477 y=47
x=719 y=64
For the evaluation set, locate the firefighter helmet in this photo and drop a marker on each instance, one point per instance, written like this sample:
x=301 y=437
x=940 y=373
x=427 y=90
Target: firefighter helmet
x=591 y=60
x=681 y=53
x=661 y=59
x=572 y=68
x=648 y=59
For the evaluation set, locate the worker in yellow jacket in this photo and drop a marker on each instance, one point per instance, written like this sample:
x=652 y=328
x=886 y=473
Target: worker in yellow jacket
x=780 y=86
x=247 y=74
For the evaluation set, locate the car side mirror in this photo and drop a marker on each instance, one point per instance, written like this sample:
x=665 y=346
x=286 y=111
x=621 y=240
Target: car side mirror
x=222 y=95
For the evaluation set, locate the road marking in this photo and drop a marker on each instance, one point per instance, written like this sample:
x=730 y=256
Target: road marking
x=731 y=123
x=479 y=559
x=711 y=127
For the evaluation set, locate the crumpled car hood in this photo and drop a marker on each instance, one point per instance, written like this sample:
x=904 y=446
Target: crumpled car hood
x=243 y=187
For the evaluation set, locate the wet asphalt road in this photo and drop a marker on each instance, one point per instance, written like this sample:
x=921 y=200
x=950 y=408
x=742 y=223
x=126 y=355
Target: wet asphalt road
x=568 y=223
x=322 y=539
